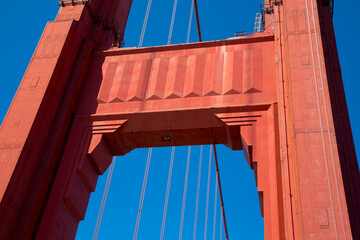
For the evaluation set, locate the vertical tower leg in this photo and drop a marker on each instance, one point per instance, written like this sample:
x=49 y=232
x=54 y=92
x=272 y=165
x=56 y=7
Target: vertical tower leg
x=84 y=158
x=316 y=136
x=37 y=124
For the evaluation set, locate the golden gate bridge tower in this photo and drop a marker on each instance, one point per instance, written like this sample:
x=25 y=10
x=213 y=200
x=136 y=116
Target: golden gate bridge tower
x=276 y=94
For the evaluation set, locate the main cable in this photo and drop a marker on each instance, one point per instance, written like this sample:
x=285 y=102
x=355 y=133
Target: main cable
x=167 y=193
x=143 y=189
x=103 y=200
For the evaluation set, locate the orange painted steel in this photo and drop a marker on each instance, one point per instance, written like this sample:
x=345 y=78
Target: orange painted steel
x=276 y=95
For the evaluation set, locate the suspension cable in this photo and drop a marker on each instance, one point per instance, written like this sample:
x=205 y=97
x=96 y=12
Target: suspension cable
x=143 y=189
x=172 y=22
x=145 y=23
x=103 y=200
x=190 y=21
x=221 y=224
x=197 y=193
x=197 y=20
x=207 y=194
x=220 y=192
x=184 y=194
x=167 y=193
x=215 y=203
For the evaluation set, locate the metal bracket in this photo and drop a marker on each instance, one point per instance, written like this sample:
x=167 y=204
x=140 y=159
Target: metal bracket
x=120 y=42
x=276 y=2
x=118 y=35
x=268 y=8
x=72 y=3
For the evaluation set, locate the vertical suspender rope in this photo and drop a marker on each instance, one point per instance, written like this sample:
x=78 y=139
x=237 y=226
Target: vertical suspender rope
x=215 y=205
x=190 y=21
x=143 y=189
x=172 y=22
x=145 y=23
x=184 y=194
x=220 y=192
x=167 y=193
x=197 y=193
x=197 y=20
x=187 y=164
x=103 y=201
x=207 y=194
x=108 y=180
x=221 y=224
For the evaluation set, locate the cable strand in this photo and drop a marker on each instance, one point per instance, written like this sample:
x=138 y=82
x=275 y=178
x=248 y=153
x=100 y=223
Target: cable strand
x=207 y=194
x=143 y=189
x=190 y=22
x=220 y=192
x=221 y=225
x=103 y=200
x=167 y=193
x=145 y=23
x=198 y=193
x=184 y=194
x=215 y=202
x=172 y=22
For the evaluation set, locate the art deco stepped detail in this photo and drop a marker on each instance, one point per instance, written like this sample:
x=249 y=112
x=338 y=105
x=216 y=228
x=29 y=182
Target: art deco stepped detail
x=277 y=95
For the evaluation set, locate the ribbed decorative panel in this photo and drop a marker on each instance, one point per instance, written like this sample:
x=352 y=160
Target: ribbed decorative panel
x=188 y=73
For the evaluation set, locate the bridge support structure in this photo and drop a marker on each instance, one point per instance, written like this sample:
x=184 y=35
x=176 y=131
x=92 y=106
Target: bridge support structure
x=276 y=95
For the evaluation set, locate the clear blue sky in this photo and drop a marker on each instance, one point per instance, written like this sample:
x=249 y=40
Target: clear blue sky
x=22 y=25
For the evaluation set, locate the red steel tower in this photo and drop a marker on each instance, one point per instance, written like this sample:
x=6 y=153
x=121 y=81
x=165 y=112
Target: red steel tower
x=277 y=95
